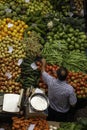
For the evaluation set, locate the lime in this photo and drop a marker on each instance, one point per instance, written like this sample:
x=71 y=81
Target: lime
x=77 y=46
x=68 y=40
x=71 y=47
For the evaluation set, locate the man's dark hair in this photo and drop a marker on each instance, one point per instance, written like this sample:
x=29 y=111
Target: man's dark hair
x=62 y=73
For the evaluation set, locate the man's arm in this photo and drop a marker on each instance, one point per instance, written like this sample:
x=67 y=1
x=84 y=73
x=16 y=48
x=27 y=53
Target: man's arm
x=73 y=98
x=46 y=77
x=43 y=65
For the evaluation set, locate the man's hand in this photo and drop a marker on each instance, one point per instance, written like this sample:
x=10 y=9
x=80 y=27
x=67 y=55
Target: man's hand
x=43 y=61
x=43 y=64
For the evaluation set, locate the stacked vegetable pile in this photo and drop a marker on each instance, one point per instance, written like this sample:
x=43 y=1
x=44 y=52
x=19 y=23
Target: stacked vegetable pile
x=39 y=27
x=14 y=29
x=76 y=61
x=61 y=5
x=66 y=35
x=69 y=7
x=29 y=76
x=20 y=9
x=33 y=44
x=23 y=124
x=63 y=43
x=77 y=79
x=11 y=54
x=81 y=124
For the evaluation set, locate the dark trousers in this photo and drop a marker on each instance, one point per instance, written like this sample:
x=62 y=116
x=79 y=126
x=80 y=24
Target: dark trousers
x=60 y=117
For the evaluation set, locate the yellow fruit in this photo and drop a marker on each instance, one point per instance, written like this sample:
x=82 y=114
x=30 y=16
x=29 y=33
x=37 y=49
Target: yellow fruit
x=22 y=22
x=21 y=30
x=4 y=23
x=16 y=23
x=29 y=32
x=9 y=32
x=25 y=26
x=8 y=20
x=16 y=30
x=5 y=30
x=13 y=34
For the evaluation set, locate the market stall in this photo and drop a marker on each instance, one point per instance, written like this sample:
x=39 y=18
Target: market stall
x=31 y=29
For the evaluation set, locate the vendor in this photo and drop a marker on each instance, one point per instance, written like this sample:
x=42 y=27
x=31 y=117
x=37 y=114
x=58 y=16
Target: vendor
x=61 y=95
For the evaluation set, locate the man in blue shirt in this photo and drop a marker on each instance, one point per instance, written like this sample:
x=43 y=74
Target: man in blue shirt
x=61 y=95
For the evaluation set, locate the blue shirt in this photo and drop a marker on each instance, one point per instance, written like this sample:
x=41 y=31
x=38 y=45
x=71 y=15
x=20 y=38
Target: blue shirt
x=61 y=95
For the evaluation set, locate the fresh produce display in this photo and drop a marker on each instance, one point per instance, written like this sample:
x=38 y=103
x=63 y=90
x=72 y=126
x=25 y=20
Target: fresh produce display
x=23 y=124
x=79 y=81
x=75 y=23
x=69 y=7
x=81 y=124
x=23 y=10
x=8 y=73
x=11 y=55
x=54 y=52
x=9 y=86
x=57 y=53
x=28 y=76
x=63 y=40
x=33 y=46
x=61 y=5
x=10 y=66
x=75 y=61
x=40 y=27
x=64 y=34
x=57 y=18
x=14 y=29
x=12 y=48
x=70 y=126
x=76 y=79
x=53 y=29
x=39 y=5
x=20 y=9
x=37 y=25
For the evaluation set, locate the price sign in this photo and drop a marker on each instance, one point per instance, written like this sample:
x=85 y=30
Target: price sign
x=31 y=127
x=8 y=10
x=8 y=75
x=10 y=49
x=10 y=25
x=27 y=1
x=34 y=66
x=20 y=61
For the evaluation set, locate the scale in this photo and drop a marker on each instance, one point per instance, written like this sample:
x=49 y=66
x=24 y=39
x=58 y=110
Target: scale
x=10 y=103
x=30 y=112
